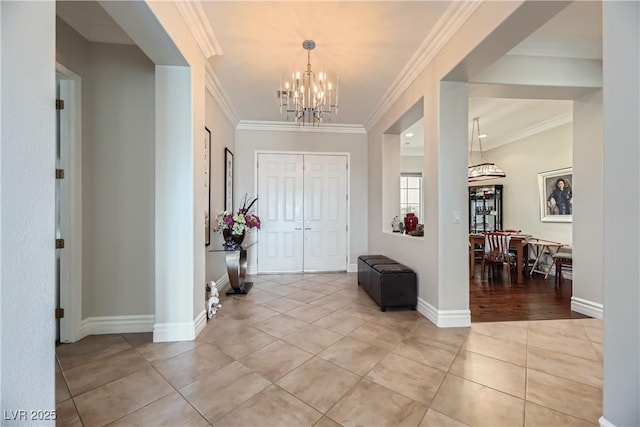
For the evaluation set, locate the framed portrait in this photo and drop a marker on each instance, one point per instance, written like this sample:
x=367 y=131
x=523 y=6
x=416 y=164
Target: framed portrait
x=556 y=195
x=228 y=180
x=207 y=187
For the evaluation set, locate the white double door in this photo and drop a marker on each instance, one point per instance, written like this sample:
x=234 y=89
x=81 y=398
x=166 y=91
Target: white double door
x=303 y=210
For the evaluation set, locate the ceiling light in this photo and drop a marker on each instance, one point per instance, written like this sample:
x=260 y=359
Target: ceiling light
x=309 y=98
x=408 y=135
x=481 y=171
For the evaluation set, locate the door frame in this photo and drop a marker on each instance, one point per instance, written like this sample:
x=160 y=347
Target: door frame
x=253 y=262
x=71 y=161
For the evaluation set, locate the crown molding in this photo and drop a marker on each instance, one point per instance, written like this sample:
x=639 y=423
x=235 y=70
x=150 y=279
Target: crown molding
x=197 y=21
x=293 y=127
x=219 y=95
x=449 y=23
x=545 y=125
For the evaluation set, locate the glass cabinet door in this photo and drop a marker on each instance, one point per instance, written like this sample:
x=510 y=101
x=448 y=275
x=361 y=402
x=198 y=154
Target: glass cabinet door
x=485 y=208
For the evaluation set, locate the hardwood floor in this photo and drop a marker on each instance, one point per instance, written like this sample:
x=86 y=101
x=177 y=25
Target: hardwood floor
x=535 y=299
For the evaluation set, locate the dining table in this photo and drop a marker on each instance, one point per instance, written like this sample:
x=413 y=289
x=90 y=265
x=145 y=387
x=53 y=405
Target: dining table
x=519 y=242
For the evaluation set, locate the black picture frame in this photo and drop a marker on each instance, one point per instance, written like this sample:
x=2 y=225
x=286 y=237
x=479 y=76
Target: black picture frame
x=228 y=180
x=207 y=187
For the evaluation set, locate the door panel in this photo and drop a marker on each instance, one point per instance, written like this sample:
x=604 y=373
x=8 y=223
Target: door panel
x=325 y=213
x=280 y=191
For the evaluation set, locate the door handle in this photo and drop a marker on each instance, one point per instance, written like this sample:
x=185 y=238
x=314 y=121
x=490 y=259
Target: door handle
x=298 y=228
x=307 y=228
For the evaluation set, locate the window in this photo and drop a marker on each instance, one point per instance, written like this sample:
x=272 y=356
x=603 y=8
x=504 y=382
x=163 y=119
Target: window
x=411 y=194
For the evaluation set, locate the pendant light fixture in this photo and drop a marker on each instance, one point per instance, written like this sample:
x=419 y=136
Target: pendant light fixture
x=482 y=171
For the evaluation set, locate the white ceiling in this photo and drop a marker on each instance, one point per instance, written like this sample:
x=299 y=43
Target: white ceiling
x=368 y=43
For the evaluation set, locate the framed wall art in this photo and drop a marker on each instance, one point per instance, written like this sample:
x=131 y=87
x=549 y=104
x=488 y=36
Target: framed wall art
x=207 y=187
x=228 y=180
x=556 y=195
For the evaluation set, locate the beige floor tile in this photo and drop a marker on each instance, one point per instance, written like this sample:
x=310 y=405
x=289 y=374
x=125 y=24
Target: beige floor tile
x=563 y=365
x=219 y=327
x=280 y=325
x=357 y=356
x=66 y=414
x=285 y=290
x=498 y=348
x=592 y=323
x=121 y=397
x=504 y=330
x=285 y=304
x=89 y=349
x=502 y=376
x=261 y=297
x=434 y=418
x=436 y=355
x=102 y=371
x=243 y=341
x=223 y=390
x=366 y=312
x=232 y=305
x=312 y=338
x=399 y=325
x=319 y=383
x=477 y=405
x=563 y=344
x=537 y=416
x=171 y=410
x=426 y=332
x=253 y=315
x=272 y=407
x=192 y=365
x=276 y=360
x=138 y=339
x=339 y=322
x=379 y=335
x=595 y=334
x=570 y=397
x=362 y=406
x=330 y=302
x=309 y=313
x=411 y=379
x=155 y=352
x=62 y=391
x=326 y=422
x=597 y=347
x=562 y=328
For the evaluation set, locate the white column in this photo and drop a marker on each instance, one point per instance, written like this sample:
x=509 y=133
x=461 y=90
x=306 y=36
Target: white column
x=174 y=206
x=621 y=95
x=27 y=196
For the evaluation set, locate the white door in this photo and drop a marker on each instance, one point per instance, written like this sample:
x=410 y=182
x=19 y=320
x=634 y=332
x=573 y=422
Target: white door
x=280 y=201
x=325 y=213
x=303 y=210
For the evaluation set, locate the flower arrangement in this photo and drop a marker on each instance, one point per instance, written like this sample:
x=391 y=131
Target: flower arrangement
x=240 y=222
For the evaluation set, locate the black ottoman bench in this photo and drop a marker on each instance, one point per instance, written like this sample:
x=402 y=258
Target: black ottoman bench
x=389 y=284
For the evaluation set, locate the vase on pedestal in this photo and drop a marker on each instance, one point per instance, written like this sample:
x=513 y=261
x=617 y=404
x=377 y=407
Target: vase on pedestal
x=232 y=241
x=410 y=222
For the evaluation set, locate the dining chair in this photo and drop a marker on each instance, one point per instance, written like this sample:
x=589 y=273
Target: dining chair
x=496 y=252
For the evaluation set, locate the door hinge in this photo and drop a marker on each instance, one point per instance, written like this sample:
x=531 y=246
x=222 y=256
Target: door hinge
x=59 y=243
x=59 y=173
x=59 y=313
x=346 y=227
x=347 y=166
x=59 y=104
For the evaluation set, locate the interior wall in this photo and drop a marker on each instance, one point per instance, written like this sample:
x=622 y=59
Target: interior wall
x=250 y=141
x=413 y=164
x=27 y=197
x=522 y=161
x=222 y=136
x=118 y=137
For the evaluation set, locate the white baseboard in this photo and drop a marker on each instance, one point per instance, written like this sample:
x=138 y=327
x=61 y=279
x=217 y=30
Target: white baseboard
x=444 y=318
x=586 y=307
x=352 y=268
x=178 y=331
x=604 y=423
x=100 y=325
x=200 y=322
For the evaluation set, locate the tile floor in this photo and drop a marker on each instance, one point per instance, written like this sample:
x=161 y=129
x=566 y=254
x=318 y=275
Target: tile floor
x=313 y=350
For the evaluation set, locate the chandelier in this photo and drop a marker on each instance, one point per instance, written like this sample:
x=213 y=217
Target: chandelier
x=481 y=171
x=309 y=98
